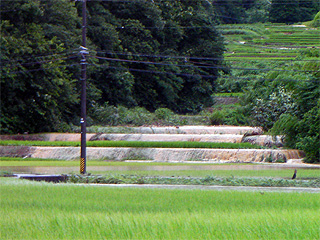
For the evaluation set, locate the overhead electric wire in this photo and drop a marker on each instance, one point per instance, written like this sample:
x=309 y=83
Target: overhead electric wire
x=148 y=62
x=205 y=65
x=195 y=75
x=38 y=69
x=155 y=72
x=159 y=56
x=187 y=57
x=24 y=64
x=36 y=56
x=159 y=63
x=285 y=2
x=186 y=60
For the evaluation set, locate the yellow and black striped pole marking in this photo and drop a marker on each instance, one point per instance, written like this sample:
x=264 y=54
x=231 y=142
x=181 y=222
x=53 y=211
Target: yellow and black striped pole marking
x=82 y=166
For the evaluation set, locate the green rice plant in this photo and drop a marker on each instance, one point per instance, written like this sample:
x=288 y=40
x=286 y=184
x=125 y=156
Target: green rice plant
x=238 y=32
x=32 y=210
x=136 y=144
x=239 y=94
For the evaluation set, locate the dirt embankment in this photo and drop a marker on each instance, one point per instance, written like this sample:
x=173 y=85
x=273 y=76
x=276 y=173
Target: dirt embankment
x=226 y=100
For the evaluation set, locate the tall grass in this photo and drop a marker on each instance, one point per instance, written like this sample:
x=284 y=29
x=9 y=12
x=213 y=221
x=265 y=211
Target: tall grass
x=137 y=144
x=47 y=211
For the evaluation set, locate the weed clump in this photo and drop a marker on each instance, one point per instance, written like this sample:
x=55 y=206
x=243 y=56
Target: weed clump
x=207 y=180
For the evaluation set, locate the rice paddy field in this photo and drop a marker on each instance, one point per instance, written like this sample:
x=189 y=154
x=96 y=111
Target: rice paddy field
x=267 y=41
x=32 y=210
x=82 y=209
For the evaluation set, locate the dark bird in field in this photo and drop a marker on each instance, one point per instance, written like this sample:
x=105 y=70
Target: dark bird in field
x=294 y=174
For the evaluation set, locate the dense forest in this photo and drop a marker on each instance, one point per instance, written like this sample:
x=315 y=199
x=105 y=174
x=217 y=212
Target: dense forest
x=142 y=53
x=150 y=54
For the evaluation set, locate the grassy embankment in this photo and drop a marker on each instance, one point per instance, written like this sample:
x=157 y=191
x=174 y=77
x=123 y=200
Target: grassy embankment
x=32 y=210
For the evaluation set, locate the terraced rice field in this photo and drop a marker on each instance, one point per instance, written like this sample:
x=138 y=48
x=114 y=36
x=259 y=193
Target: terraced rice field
x=270 y=42
x=190 y=149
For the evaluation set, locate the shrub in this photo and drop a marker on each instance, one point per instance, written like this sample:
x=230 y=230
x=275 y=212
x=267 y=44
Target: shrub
x=113 y=116
x=137 y=116
x=269 y=159
x=303 y=134
x=266 y=111
x=217 y=118
x=308 y=138
x=163 y=114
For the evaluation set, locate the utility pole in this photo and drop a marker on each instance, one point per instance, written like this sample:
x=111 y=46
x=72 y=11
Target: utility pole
x=83 y=62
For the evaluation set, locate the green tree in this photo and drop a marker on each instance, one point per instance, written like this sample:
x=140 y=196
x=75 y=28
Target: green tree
x=141 y=60
x=259 y=12
x=284 y=11
x=316 y=20
x=308 y=9
x=303 y=133
x=293 y=11
x=230 y=11
x=37 y=90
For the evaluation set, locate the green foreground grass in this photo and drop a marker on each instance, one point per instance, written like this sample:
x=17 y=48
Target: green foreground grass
x=138 y=144
x=33 y=210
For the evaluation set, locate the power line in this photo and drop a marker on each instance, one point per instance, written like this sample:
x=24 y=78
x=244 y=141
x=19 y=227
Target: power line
x=208 y=66
x=24 y=64
x=36 y=56
x=196 y=75
x=155 y=72
x=204 y=65
x=154 y=1
x=187 y=57
x=38 y=69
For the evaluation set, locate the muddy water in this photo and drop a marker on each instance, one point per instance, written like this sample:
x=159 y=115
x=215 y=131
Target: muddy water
x=181 y=130
x=233 y=138
x=156 y=154
x=66 y=170
x=196 y=130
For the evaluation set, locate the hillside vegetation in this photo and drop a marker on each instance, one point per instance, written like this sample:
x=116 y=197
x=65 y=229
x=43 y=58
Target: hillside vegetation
x=276 y=67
